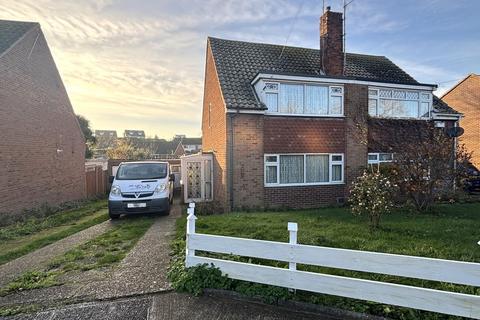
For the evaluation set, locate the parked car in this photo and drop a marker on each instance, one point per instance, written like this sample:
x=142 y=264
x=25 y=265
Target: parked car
x=143 y=186
x=472 y=183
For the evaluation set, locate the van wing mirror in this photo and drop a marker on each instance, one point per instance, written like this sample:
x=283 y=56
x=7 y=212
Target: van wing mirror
x=172 y=177
x=110 y=179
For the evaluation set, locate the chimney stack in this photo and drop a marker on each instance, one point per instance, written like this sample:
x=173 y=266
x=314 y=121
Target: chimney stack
x=331 y=43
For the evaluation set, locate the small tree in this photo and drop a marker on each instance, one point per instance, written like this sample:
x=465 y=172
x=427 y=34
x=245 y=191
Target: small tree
x=372 y=195
x=88 y=134
x=429 y=166
x=126 y=150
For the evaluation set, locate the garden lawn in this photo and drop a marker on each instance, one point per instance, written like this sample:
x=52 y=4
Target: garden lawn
x=451 y=232
x=26 y=236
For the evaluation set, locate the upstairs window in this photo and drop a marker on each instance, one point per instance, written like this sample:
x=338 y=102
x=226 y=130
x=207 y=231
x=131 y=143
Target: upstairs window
x=393 y=103
x=303 y=99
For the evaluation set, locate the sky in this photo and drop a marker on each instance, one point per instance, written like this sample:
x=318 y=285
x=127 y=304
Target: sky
x=139 y=64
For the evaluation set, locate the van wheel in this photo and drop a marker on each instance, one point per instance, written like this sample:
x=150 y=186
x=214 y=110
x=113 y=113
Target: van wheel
x=113 y=216
x=167 y=211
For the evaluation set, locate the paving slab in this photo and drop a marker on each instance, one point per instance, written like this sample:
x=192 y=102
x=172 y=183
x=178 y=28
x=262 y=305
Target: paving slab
x=174 y=306
x=131 y=309
x=40 y=258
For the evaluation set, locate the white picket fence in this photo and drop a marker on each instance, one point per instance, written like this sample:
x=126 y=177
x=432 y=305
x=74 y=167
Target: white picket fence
x=465 y=273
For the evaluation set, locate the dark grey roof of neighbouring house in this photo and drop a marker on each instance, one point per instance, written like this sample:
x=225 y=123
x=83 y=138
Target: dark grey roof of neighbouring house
x=192 y=141
x=238 y=63
x=11 y=31
x=441 y=106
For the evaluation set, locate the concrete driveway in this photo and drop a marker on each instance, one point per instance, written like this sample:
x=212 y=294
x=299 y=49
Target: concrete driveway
x=173 y=306
x=138 y=289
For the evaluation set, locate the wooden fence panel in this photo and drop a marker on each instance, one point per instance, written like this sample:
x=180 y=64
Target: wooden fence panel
x=96 y=181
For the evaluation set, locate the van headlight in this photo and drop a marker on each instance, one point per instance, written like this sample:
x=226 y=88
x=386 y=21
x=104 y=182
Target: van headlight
x=115 y=191
x=160 y=188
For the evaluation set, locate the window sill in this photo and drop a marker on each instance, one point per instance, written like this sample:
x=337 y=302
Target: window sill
x=399 y=118
x=304 y=184
x=303 y=115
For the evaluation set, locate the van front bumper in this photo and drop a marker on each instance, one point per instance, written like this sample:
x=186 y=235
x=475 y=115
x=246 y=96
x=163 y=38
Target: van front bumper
x=151 y=205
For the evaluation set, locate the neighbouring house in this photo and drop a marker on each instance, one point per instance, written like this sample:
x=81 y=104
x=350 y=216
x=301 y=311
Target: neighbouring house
x=187 y=146
x=293 y=127
x=42 y=149
x=104 y=139
x=465 y=98
x=134 y=134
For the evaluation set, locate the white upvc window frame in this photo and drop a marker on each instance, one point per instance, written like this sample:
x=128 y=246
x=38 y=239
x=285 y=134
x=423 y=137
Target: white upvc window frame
x=331 y=93
x=420 y=100
x=377 y=160
x=331 y=163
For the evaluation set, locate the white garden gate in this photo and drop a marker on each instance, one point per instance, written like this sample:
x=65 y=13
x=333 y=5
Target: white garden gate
x=465 y=273
x=197 y=177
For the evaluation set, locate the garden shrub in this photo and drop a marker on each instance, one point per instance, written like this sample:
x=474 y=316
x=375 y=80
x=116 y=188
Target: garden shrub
x=372 y=195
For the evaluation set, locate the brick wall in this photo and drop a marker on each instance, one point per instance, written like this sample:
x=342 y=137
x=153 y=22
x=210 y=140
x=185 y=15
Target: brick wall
x=248 y=146
x=303 y=197
x=214 y=129
x=356 y=131
x=304 y=135
x=465 y=98
x=36 y=120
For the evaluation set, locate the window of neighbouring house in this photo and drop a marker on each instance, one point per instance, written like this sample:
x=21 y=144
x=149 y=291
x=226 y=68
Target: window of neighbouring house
x=303 y=169
x=375 y=158
x=303 y=99
x=393 y=103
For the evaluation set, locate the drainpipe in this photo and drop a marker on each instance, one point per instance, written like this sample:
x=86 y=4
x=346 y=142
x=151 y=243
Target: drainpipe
x=230 y=158
x=455 y=144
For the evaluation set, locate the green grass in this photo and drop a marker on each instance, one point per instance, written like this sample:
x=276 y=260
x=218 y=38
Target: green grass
x=451 y=232
x=13 y=310
x=103 y=251
x=24 y=237
x=107 y=249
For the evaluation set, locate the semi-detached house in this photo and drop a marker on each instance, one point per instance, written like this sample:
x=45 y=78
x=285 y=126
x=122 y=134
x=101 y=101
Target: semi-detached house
x=292 y=127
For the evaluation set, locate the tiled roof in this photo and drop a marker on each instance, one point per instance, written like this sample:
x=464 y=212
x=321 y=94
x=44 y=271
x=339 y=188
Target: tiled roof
x=239 y=62
x=440 y=106
x=11 y=31
x=189 y=141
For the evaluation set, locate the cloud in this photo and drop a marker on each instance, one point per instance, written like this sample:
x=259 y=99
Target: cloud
x=145 y=62
x=140 y=64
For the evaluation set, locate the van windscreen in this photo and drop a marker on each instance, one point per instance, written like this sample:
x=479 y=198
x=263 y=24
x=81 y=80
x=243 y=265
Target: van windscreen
x=142 y=171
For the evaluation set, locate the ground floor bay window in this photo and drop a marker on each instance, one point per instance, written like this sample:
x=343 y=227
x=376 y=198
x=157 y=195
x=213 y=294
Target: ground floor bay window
x=303 y=169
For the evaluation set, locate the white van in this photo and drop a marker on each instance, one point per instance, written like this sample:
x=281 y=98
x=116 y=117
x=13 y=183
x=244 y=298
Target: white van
x=143 y=186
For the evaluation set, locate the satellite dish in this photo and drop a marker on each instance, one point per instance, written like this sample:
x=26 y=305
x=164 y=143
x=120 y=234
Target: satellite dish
x=454 y=132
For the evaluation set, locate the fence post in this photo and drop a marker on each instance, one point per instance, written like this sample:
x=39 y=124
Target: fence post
x=292 y=229
x=292 y=266
x=190 y=230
